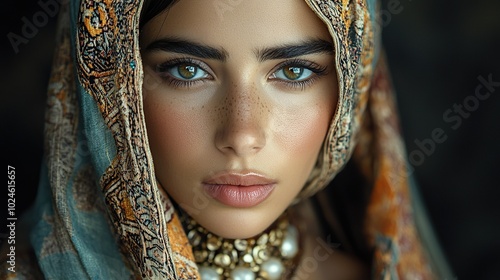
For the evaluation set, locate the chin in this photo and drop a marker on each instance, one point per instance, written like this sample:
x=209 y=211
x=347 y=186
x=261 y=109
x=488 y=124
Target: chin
x=237 y=223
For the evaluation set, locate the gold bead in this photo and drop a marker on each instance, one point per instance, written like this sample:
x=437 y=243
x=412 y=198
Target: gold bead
x=194 y=238
x=211 y=255
x=219 y=270
x=222 y=260
x=240 y=244
x=233 y=254
x=264 y=254
x=257 y=255
x=263 y=239
x=200 y=256
x=213 y=243
x=248 y=258
x=272 y=236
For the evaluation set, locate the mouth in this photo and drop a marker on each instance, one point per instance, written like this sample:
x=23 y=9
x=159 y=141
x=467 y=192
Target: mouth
x=240 y=190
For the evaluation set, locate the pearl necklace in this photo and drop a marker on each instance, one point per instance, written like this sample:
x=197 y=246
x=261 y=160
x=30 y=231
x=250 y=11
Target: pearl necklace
x=268 y=256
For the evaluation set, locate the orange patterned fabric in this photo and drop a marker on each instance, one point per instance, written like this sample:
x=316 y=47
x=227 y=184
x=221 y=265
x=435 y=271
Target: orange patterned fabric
x=144 y=222
x=390 y=225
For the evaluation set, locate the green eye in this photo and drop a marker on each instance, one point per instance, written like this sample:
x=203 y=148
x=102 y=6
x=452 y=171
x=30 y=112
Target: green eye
x=293 y=73
x=185 y=71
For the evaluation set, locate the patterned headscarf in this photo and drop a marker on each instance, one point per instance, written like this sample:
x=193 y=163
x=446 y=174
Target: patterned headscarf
x=99 y=213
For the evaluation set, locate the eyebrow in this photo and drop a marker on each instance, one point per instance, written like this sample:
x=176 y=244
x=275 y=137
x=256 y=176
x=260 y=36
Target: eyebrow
x=310 y=46
x=176 y=45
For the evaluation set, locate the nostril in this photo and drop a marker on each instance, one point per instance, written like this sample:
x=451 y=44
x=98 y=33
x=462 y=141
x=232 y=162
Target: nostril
x=240 y=141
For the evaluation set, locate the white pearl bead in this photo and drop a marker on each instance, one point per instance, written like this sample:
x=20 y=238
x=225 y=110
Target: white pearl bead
x=242 y=273
x=208 y=273
x=273 y=268
x=290 y=247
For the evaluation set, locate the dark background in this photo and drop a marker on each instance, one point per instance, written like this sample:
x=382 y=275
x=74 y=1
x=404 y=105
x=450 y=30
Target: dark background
x=436 y=52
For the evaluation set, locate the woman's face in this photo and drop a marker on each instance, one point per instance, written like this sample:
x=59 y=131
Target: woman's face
x=238 y=97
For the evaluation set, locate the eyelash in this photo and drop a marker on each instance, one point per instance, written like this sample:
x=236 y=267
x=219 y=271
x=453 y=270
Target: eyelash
x=317 y=70
x=163 y=68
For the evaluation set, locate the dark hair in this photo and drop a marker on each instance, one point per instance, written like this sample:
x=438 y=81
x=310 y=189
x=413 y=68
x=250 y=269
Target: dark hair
x=151 y=8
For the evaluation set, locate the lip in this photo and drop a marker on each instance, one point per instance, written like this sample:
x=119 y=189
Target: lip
x=239 y=189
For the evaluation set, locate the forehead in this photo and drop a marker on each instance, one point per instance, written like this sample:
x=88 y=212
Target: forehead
x=237 y=24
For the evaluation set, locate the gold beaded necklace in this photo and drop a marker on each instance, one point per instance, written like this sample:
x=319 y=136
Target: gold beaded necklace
x=268 y=256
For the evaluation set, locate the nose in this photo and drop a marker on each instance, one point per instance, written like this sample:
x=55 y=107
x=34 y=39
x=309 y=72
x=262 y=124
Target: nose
x=242 y=119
